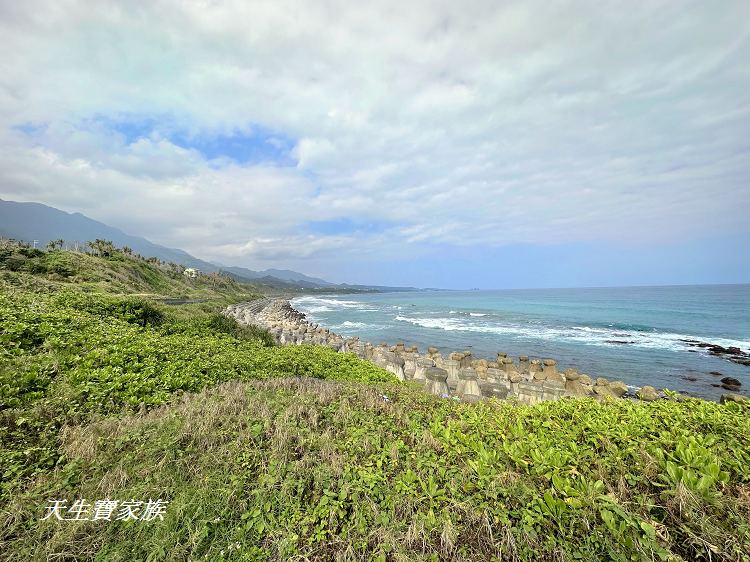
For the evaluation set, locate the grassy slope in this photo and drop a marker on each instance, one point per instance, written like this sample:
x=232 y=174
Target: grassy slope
x=122 y=274
x=107 y=395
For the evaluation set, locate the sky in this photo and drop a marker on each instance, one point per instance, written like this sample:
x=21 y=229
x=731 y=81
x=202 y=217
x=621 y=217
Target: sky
x=435 y=144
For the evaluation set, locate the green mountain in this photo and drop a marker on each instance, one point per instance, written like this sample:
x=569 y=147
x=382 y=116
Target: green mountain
x=35 y=221
x=41 y=223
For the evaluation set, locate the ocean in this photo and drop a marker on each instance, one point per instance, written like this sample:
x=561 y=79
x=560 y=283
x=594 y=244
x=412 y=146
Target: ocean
x=633 y=334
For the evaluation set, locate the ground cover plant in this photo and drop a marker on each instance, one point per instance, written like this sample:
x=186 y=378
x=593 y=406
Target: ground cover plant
x=300 y=453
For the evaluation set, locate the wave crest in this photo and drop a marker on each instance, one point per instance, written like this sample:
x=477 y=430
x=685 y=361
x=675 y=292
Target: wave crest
x=322 y=304
x=586 y=335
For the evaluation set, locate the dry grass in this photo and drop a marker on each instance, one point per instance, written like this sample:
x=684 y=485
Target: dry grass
x=277 y=447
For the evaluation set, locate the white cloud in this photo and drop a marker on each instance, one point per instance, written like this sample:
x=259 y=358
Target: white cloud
x=464 y=123
x=312 y=152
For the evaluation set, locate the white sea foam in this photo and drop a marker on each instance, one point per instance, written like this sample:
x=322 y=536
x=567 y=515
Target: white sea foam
x=463 y=313
x=324 y=304
x=314 y=309
x=582 y=334
x=442 y=323
x=348 y=326
x=654 y=339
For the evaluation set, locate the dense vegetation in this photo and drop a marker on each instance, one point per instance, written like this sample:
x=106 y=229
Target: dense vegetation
x=275 y=453
x=105 y=268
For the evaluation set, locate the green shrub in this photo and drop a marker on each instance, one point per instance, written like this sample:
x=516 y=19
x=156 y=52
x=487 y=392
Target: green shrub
x=225 y=325
x=58 y=262
x=34 y=267
x=209 y=322
x=317 y=455
x=61 y=269
x=6 y=250
x=82 y=354
x=15 y=262
x=30 y=252
x=135 y=310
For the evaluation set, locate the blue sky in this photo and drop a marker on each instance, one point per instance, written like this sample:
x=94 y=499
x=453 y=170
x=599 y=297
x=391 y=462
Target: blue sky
x=459 y=145
x=254 y=145
x=346 y=225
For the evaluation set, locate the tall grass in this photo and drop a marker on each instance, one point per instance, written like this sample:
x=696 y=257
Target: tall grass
x=300 y=453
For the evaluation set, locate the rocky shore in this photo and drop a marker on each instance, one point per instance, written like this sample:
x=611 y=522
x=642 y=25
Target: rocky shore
x=459 y=374
x=733 y=354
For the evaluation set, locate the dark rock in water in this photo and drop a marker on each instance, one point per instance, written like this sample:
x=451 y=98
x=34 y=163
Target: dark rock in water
x=732 y=387
x=731 y=353
x=717 y=373
x=716 y=385
x=692 y=351
x=618 y=341
x=732 y=381
x=732 y=398
x=689 y=378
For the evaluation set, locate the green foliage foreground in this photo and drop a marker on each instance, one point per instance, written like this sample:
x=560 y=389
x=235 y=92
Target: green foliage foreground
x=300 y=453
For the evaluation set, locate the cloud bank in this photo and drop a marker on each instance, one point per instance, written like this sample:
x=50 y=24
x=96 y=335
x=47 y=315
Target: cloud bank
x=230 y=129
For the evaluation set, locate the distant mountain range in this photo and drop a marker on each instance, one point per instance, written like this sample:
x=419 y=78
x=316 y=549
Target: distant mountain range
x=35 y=221
x=282 y=274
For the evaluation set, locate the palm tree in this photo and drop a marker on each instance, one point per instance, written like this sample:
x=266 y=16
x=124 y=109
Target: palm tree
x=103 y=248
x=53 y=245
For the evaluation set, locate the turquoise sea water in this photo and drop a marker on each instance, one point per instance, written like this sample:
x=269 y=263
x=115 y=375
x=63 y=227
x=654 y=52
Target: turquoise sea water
x=578 y=327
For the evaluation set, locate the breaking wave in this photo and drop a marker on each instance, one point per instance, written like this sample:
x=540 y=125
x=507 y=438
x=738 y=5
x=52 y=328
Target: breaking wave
x=608 y=337
x=347 y=326
x=321 y=304
x=463 y=313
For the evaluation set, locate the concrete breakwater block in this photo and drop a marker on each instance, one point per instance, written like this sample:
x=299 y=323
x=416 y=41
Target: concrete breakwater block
x=468 y=386
x=460 y=373
x=437 y=381
x=420 y=371
x=452 y=366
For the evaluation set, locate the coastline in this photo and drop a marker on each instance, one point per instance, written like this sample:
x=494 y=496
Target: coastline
x=458 y=375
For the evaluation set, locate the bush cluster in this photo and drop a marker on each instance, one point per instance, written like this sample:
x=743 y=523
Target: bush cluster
x=76 y=354
x=15 y=257
x=297 y=452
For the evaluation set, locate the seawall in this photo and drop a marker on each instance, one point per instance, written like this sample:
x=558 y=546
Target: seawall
x=459 y=374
